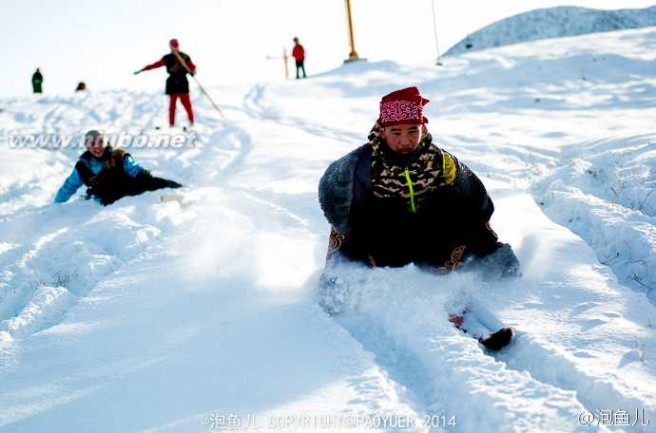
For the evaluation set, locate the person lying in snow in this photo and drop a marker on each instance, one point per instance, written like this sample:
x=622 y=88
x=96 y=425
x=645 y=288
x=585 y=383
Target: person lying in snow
x=400 y=199
x=109 y=174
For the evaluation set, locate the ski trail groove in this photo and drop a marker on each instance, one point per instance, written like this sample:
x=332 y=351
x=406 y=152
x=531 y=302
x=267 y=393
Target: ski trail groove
x=254 y=107
x=400 y=318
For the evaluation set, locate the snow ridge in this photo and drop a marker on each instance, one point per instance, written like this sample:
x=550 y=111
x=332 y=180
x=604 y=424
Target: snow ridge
x=552 y=23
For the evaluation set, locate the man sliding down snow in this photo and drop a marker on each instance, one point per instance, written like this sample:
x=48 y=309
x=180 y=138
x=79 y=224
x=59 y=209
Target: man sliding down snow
x=109 y=174
x=400 y=199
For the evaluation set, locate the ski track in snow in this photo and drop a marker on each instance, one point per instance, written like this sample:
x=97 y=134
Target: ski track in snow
x=609 y=201
x=253 y=236
x=256 y=108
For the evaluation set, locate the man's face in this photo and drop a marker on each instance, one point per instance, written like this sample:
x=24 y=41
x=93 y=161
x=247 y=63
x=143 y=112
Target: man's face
x=403 y=138
x=96 y=147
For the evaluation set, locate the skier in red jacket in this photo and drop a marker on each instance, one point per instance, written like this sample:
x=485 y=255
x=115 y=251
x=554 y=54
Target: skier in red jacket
x=299 y=55
x=178 y=65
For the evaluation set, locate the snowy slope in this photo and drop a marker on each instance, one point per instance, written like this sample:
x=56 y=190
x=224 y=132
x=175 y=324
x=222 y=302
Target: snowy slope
x=552 y=23
x=187 y=316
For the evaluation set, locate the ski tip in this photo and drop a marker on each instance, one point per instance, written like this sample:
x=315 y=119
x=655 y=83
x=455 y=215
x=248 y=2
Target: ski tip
x=498 y=340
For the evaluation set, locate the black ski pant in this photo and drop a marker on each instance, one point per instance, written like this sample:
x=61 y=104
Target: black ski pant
x=300 y=66
x=140 y=184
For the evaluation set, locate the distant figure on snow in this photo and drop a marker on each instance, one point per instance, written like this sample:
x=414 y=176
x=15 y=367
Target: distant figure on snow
x=109 y=174
x=299 y=56
x=178 y=65
x=81 y=86
x=37 y=81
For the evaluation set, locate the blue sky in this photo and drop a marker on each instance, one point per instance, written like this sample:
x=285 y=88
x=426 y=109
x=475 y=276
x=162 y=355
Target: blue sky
x=102 y=42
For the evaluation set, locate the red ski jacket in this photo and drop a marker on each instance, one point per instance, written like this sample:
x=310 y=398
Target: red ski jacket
x=298 y=52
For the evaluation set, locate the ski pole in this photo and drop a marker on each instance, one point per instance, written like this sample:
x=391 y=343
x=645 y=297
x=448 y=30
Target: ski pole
x=202 y=89
x=209 y=97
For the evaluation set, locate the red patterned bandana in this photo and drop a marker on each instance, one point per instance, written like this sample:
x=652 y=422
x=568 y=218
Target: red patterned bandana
x=403 y=106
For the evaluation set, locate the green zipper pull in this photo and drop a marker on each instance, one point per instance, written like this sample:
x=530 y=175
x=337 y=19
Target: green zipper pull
x=413 y=206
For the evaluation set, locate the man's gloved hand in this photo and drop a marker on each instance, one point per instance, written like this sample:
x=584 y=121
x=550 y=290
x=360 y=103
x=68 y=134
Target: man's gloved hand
x=502 y=263
x=510 y=263
x=138 y=72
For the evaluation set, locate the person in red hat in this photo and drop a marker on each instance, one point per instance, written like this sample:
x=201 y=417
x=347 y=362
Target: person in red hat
x=401 y=199
x=178 y=65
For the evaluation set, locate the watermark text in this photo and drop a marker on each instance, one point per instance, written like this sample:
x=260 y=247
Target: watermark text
x=125 y=140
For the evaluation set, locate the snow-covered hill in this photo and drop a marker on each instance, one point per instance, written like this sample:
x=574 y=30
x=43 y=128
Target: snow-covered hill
x=201 y=314
x=552 y=23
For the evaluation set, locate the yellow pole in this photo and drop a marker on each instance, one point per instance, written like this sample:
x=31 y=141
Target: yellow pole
x=437 y=46
x=353 y=55
x=284 y=59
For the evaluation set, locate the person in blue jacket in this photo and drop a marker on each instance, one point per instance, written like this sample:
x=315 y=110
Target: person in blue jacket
x=109 y=174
